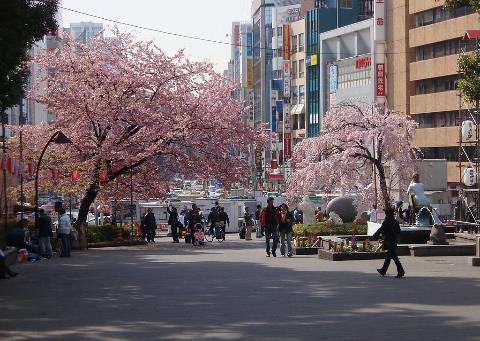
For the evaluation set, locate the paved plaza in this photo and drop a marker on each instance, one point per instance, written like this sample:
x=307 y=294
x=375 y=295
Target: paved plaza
x=231 y=291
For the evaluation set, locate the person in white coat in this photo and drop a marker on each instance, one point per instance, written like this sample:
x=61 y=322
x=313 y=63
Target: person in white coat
x=64 y=231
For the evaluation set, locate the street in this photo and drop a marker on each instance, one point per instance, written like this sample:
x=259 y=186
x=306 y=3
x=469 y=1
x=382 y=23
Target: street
x=231 y=291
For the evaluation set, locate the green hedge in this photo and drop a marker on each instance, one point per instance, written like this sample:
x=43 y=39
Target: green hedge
x=106 y=233
x=321 y=229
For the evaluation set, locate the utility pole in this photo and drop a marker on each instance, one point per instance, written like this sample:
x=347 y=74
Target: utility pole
x=4 y=170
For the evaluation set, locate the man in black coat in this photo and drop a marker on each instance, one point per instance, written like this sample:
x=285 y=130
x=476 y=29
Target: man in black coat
x=150 y=225
x=390 y=230
x=193 y=219
x=44 y=225
x=173 y=222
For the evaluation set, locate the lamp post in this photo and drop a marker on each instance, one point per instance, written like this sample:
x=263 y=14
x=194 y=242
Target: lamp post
x=57 y=138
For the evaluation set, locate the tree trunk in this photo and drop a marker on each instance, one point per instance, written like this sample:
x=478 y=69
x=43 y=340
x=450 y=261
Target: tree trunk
x=87 y=200
x=383 y=185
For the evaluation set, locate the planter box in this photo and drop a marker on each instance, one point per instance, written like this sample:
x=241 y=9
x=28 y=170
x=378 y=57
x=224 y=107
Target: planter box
x=442 y=250
x=116 y=244
x=302 y=251
x=342 y=256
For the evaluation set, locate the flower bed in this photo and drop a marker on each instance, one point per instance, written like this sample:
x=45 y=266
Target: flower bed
x=107 y=233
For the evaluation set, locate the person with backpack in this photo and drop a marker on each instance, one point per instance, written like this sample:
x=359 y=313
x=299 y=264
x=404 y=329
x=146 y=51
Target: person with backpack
x=270 y=218
x=150 y=225
x=223 y=221
x=248 y=219
x=390 y=230
x=45 y=232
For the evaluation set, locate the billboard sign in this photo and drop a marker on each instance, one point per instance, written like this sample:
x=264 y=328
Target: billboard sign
x=249 y=44
x=287 y=81
x=286 y=42
x=380 y=79
x=287 y=145
x=332 y=70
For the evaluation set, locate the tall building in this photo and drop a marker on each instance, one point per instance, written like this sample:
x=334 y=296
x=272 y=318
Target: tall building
x=327 y=15
x=426 y=40
x=83 y=32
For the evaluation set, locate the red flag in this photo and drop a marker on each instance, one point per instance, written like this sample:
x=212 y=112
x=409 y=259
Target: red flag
x=103 y=176
x=9 y=165
x=75 y=175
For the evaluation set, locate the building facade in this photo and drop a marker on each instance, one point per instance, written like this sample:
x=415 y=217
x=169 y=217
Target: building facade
x=425 y=42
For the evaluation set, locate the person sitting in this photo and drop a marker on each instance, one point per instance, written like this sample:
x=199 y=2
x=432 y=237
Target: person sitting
x=16 y=237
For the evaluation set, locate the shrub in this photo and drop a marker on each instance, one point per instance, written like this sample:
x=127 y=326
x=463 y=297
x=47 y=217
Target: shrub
x=106 y=233
x=323 y=229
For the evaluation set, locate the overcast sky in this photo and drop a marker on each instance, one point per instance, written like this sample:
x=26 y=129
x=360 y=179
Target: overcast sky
x=210 y=19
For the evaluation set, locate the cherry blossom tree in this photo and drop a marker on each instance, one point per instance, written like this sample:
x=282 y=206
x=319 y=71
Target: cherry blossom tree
x=128 y=106
x=356 y=141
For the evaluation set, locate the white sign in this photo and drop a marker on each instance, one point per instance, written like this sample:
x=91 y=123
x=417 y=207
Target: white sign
x=287 y=81
x=469 y=177
x=467 y=130
x=379 y=20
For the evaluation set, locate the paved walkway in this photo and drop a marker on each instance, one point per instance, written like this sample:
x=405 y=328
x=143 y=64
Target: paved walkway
x=231 y=291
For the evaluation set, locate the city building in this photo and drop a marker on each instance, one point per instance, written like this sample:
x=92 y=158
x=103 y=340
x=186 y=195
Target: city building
x=424 y=42
x=327 y=15
x=346 y=65
x=83 y=32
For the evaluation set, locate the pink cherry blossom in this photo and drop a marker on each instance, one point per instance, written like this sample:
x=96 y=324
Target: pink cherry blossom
x=355 y=140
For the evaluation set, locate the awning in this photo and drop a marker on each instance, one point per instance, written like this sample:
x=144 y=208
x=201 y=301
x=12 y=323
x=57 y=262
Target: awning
x=297 y=109
x=472 y=34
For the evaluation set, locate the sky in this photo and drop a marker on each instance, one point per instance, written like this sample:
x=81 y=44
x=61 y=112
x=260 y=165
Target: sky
x=211 y=19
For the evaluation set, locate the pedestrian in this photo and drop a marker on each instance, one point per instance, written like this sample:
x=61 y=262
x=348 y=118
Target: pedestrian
x=64 y=231
x=248 y=218
x=372 y=214
x=223 y=220
x=193 y=219
x=260 y=232
x=270 y=218
x=173 y=222
x=17 y=236
x=44 y=234
x=390 y=230
x=211 y=220
x=150 y=225
x=286 y=229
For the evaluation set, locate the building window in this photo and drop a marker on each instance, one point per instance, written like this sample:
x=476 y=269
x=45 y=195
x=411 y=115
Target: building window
x=301 y=94
x=444 y=48
x=294 y=69
x=346 y=4
x=301 y=42
x=301 y=68
x=440 y=14
x=434 y=85
x=294 y=44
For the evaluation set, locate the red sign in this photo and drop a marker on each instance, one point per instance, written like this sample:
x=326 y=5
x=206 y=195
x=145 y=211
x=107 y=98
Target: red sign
x=363 y=62
x=286 y=42
x=380 y=76
x=274 y=163
x=287 y=145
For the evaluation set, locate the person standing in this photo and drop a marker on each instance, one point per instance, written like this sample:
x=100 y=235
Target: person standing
x=64 y=230
x=150 y=225
x=248 y=218
x=211 y=220
x=173 y=222
x=224 y=221
x=270 y=219
x=372 y=214
x=193 y=219
x=44 y=234
x=390 y=230
x=286 y=229
x=260 y=228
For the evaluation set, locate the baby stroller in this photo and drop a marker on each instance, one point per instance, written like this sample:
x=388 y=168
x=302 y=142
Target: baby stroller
x=199 y=235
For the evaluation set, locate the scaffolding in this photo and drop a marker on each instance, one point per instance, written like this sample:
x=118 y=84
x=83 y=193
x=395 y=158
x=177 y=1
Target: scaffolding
x=470 y=42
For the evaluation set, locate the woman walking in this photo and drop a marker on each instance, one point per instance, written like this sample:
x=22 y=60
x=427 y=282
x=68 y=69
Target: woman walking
x=286 y=229
x=248 y=218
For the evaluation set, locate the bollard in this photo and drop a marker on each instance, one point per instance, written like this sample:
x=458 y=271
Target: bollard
x=475 y=261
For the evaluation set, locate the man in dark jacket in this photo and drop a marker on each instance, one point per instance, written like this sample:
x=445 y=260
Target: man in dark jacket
x=173 y=222
x=44 y=225
x=285 y=227
x=224 y=221
x=150 y=225
x=194 y=218
x=390 y=230
x=270 y=218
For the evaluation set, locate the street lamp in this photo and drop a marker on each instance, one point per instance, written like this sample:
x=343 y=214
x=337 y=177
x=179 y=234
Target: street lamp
x=57 y=138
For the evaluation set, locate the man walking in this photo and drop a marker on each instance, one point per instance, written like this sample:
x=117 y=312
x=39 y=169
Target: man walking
x=390 y=229
x=64 y=231
x=193 y=219
x=224 y=221
x=44 y=234
x=270 y=218
x=173 y=222
x=150 y=225
x=260 y=227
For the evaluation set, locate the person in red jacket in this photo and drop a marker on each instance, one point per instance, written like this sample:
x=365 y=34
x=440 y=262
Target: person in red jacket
x=270 y=218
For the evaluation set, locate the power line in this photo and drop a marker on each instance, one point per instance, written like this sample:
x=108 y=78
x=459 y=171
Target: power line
x=202 y=38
